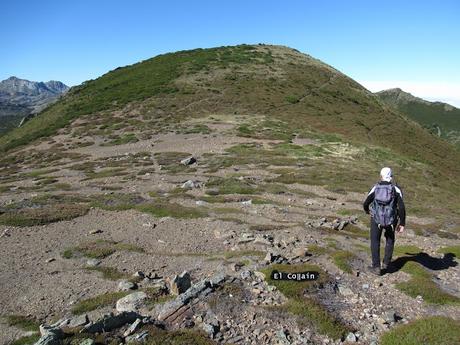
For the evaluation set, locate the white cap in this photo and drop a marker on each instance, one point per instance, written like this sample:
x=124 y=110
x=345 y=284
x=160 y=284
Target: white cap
x=386 y=174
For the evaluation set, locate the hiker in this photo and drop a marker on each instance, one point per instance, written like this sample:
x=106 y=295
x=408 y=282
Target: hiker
x=387 y=208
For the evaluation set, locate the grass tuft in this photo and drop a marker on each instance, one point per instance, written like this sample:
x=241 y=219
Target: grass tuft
x=27 y=340
x=23 y=322
x=451 y=249
x=99 y=249
x=421 y=281
x=342 y=259
x=110 y=273
x=435 y=330
x=166 y=209
x=309 y=311
x=99 y=301
x=42 y=215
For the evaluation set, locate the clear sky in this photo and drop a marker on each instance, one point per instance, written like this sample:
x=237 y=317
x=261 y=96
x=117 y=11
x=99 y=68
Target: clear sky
x=411 y=44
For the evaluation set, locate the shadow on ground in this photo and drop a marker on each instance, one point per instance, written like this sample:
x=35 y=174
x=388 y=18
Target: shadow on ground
x=432 y=263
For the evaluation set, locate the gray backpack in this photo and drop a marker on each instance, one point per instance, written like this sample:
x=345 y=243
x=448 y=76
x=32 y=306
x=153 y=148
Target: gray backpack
x=383 y=209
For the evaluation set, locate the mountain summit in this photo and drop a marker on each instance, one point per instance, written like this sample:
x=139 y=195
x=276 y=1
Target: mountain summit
x=30 y=93
x=20 y=98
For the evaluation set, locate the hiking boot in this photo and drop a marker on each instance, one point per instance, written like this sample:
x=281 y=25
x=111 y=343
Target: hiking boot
x=387 y=267
x=374 y=270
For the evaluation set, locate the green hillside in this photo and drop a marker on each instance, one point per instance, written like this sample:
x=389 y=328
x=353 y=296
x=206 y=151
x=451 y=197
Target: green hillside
x=441 y=119
x=296 y=94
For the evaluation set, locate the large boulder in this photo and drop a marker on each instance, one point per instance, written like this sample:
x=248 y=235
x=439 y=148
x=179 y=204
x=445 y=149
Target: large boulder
x=180 y=283
x=131 y=302
x=111 y=321
x=126 y=285
x=50 y=335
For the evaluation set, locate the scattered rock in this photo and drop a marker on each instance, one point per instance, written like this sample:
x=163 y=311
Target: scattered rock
x=110 y=322
x=6 y=233
x=345 y=291
x=269 y=257
x=188 y=161
x=140 y=337
x=93 y=262
x=87 y=341
x=78 y=321
x=94 y=232
x=351 y=337
x=224 y=235
x=50 y=260
x=211 y=324
x=265 y=239
x=246 y=237
x=217 y=279
x=133 y=328
x=190 y=185
x=283 y=337
x=180 y=283
x=259 y=275
x=246 y=274
x=274 y=258
x=126 y=285
x=300 y=252
x=132 y=302
x=139 y=275
x=50 y=335
x=236 y=266
x=390 y=316
x=169 y=308
x=339 y=224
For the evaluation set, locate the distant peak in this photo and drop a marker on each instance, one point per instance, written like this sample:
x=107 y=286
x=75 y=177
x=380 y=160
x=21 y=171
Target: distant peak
x=392 y=91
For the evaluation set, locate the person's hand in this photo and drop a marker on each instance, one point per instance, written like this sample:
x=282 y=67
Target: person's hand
x=400 y=228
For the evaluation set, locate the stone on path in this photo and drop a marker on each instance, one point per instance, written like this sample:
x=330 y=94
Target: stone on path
x=131 y=302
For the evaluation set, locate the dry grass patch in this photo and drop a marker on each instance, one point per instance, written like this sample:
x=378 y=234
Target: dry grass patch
x=100 y=249
x=42 y=215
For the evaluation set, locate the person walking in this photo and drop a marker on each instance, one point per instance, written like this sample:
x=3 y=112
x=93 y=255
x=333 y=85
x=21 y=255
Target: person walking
x=385 y=204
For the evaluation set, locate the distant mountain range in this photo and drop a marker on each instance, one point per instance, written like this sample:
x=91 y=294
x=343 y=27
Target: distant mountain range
x=20 y=98
x=441 y=119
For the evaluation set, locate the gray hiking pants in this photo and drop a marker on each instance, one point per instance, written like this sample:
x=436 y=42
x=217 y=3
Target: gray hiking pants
x=376 y=233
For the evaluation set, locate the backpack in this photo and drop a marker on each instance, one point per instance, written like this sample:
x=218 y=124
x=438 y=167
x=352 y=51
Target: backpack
x=383 y=208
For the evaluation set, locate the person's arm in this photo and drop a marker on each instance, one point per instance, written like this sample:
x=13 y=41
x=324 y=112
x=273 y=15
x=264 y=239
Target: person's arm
x=369 y=199
x=401 y=209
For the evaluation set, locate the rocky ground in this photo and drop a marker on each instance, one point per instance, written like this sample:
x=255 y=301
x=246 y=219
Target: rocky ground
x=204 y=271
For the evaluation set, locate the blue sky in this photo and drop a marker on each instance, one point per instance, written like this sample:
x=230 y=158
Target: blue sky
x=411 y=44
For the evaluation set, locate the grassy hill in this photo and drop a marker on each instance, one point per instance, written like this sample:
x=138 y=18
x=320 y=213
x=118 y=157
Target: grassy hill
x=297 y=94
x=439 y=118
x=285 y=147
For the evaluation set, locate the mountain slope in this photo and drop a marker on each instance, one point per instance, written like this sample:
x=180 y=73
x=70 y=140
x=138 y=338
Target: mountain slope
x=441 y=119
x=228 y=163
x=277 y=82
x=20 y=97
x=274 y=80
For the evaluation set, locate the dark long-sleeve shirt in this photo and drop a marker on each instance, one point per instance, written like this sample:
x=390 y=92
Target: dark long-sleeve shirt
x=401 y=210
